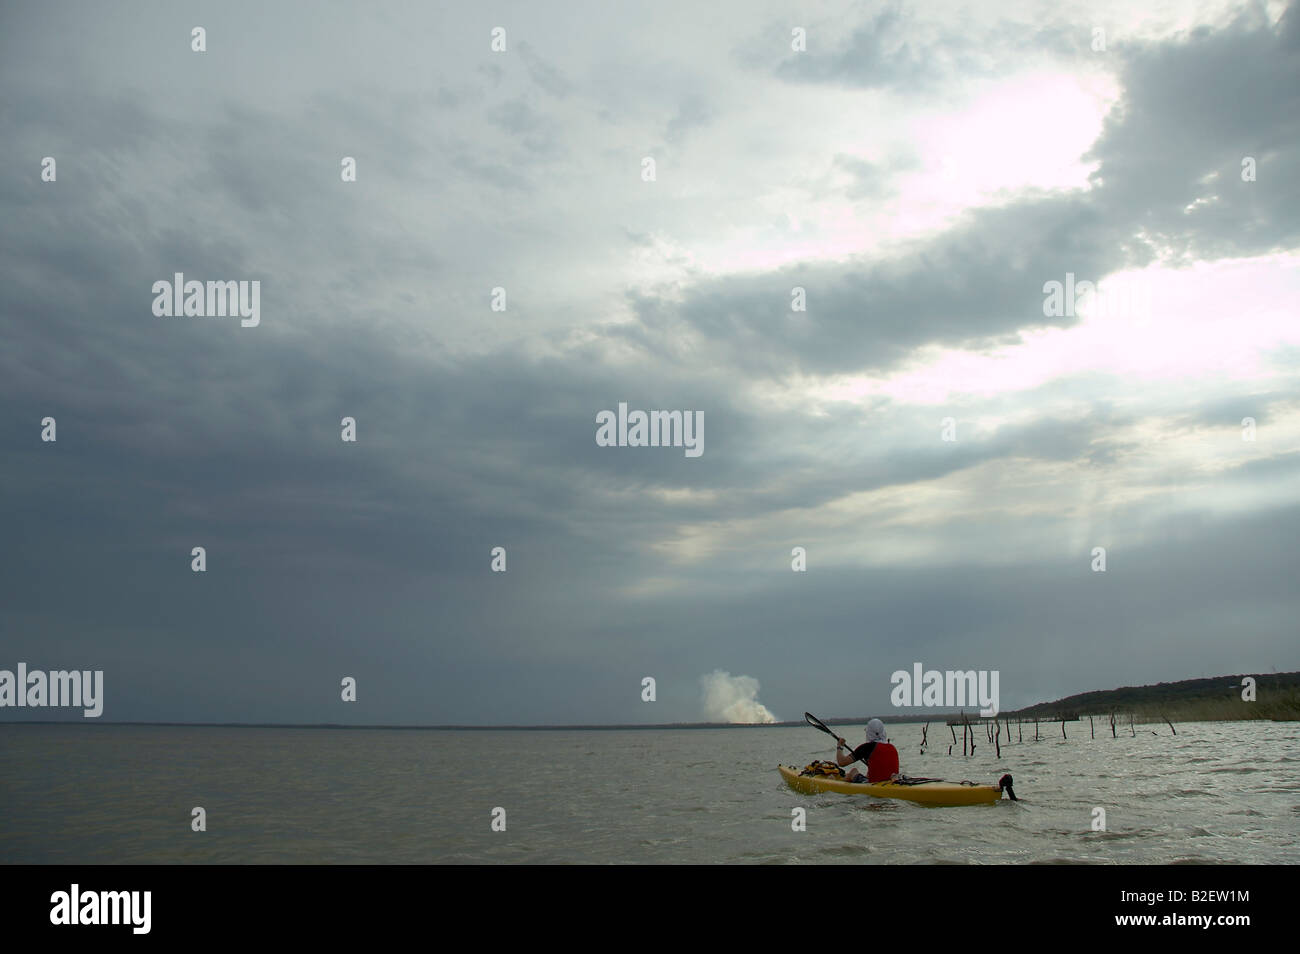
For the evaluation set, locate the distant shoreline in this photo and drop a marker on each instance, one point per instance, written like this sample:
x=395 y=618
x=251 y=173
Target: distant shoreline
x=474 y=728
x=940 y=718
x=1214 y=699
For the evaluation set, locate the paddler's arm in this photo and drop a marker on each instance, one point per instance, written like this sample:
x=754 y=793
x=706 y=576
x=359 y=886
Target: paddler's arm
x=840 y=757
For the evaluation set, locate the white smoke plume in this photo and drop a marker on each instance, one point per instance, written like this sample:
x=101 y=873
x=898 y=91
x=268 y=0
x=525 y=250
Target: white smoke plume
x=729 y=698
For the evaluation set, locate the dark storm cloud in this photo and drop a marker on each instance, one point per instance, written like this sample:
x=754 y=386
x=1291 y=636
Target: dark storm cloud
x=977 y=282
x=1191 y=112
x=1264 y=406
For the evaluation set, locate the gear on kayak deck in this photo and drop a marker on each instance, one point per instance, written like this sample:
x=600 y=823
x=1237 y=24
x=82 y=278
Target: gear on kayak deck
x=820 y=769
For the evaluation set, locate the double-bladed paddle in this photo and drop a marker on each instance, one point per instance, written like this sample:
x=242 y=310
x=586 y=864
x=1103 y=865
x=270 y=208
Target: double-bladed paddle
x=817 y=723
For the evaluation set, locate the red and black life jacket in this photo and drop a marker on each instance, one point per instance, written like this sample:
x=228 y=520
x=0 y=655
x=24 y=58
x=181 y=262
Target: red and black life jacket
x=881 y=760
x=882 y=764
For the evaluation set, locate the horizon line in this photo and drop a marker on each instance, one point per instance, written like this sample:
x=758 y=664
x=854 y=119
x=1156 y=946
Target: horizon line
x=784 y=723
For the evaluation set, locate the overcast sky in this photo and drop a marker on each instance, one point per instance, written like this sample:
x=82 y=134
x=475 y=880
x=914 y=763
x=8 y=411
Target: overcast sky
x=920 y=170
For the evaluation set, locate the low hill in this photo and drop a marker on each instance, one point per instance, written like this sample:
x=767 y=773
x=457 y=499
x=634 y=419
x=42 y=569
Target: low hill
x=1277 y=697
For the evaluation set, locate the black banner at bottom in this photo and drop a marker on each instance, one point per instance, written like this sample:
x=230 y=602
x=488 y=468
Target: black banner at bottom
x=138 y=904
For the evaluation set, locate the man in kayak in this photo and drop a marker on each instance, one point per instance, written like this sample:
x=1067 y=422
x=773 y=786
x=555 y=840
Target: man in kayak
x=880 y=758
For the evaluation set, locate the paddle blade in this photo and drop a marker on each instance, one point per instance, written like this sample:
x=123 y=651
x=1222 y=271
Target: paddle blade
x=817 y=723
x=1005 y=783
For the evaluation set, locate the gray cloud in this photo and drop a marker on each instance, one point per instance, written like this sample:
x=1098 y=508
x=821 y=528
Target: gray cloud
x=976 y=282
x=897 y=50
x=1194 y=110
x=693 y=113
x=1181 y=119
x=546 y=76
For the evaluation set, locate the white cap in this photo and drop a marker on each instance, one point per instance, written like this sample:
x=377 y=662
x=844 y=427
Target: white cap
x=875 y=731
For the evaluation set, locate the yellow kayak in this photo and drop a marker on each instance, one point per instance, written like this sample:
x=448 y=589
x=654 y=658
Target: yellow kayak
x=926 y=792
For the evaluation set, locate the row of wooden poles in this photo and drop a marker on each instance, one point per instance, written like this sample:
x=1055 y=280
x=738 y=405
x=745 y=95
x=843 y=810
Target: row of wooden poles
x=993 y=731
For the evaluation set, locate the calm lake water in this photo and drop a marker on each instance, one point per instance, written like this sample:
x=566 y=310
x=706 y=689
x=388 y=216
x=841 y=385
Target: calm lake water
x=1217 y=792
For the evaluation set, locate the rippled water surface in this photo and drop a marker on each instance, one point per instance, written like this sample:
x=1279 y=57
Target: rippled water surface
x=1217 y=792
